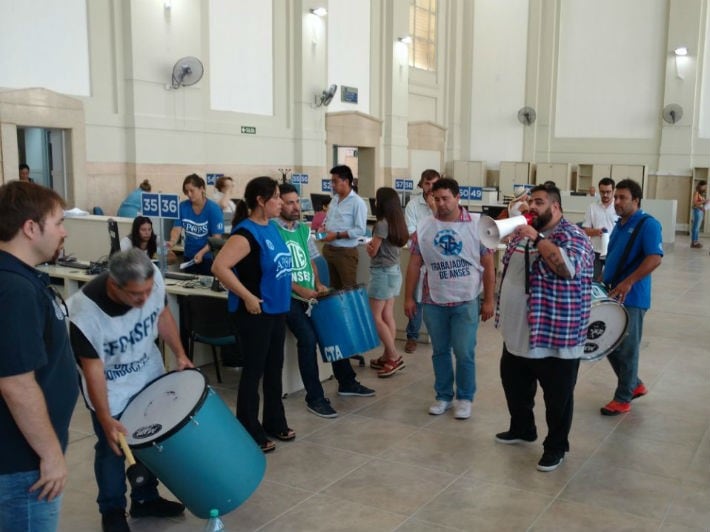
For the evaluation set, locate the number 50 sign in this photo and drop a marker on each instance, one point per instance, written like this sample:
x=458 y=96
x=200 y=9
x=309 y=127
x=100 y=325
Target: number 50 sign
x=160 y=205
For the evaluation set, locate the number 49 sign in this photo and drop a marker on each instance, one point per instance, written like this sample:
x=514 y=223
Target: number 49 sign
x=160 y=205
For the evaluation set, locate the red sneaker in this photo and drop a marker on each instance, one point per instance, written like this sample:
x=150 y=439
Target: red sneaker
x=639 y=391
x=614 y=408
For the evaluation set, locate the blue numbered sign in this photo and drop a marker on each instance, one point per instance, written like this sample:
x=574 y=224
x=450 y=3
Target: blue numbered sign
x=160 y=205
x=465 y=192
x=408 y=184
x=476 y=193
x=169 y=206
x=150 y=205
x=399 y=184
x=325 y=185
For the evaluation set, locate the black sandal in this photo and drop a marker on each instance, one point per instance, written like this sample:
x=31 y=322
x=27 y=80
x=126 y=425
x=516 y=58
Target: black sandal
x=267 y=446
x=286 y=435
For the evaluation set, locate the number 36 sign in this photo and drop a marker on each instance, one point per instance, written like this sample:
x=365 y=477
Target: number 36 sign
x=160 y=205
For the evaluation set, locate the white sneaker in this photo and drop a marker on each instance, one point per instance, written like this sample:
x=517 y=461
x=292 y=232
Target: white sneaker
x=463 y=409
x=439 y=407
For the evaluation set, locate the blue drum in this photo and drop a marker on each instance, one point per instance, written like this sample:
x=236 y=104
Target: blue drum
x=344 y=324
x=182 y=430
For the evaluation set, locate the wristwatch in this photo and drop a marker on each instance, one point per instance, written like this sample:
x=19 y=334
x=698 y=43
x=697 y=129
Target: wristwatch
x=539 y=237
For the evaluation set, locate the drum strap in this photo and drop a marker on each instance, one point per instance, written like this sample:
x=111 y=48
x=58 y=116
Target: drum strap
x=622 y=262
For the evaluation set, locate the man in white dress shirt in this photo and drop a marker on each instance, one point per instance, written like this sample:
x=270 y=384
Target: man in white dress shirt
x=600 y=217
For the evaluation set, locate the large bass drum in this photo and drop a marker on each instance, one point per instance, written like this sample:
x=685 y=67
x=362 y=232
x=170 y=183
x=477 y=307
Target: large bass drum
x=182 y=430
x=608 y=324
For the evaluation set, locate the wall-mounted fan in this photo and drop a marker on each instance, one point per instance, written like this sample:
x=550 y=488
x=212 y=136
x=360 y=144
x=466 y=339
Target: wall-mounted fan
x=526 y=115
x=187 y=71
x=672 y=113
x=326 y=96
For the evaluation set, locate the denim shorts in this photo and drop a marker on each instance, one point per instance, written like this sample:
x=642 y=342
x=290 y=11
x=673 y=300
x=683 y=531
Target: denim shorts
x=385 y=282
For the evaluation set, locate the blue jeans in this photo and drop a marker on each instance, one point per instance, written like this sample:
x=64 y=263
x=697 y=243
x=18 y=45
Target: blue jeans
x=110 y=472
x=415 y=324
x=453 y=328
x=20 y=510
x=625 y=358
x=697 y=222
x=302 y=328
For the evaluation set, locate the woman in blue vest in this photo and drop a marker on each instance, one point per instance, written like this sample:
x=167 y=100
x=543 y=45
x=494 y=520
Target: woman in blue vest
x=255 y=266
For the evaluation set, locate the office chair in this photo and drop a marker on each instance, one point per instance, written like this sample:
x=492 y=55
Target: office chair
x=208 y=322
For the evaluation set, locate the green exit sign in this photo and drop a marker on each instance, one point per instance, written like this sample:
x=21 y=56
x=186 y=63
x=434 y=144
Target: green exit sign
x=248 y=130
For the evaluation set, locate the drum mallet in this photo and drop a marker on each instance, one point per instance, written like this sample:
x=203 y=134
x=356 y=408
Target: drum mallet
x=136 y=473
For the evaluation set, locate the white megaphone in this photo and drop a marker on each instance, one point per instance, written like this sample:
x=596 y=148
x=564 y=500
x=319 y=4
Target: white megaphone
x=493 y=231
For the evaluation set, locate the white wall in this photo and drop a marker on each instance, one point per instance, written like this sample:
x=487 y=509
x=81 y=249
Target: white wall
x=704 y=122
x=349 y=51
x=241 y=56
x=610 y=68
x=44 y=44
x=498 y=69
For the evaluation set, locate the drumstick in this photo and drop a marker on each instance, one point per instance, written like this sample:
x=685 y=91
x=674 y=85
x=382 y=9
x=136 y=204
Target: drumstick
x=126 y=449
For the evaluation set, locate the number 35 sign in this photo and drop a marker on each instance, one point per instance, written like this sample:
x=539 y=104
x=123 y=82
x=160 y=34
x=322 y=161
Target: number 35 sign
x=160 y=205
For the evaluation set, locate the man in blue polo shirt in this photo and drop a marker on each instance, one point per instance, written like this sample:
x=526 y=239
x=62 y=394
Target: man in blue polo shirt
x=38 y=379
x=628 y=274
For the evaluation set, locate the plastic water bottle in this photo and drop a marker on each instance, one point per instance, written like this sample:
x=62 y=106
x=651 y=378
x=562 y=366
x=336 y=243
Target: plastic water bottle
x=214 y=523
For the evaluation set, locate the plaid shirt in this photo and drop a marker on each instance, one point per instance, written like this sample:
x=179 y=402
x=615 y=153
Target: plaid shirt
x=558 y=308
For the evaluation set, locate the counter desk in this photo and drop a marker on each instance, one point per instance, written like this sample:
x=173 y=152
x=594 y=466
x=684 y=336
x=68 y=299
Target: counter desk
x=73 y=279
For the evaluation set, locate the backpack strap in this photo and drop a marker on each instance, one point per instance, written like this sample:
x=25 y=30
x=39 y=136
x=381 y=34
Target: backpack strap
x=622 y=262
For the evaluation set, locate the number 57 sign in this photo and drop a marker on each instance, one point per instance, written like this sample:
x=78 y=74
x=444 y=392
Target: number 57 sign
x=160 y=205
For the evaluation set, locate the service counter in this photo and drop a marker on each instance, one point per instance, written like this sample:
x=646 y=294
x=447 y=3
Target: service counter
x=74 y=279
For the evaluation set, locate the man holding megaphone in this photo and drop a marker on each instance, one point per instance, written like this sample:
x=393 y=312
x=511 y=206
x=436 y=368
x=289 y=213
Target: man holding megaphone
x=543 y=309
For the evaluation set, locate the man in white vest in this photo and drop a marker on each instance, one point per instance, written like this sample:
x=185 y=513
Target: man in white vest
x=458 y=287
x=115 y=321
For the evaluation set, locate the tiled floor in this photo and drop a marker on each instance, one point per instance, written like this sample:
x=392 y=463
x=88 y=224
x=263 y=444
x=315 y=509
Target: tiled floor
x=385 y=464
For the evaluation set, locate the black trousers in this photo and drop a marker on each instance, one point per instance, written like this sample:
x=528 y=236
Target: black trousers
x=557 y=378
x=262 y=338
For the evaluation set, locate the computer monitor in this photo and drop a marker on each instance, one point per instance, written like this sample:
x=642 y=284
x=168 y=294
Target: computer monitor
x=372 y=206
x=306 y=205
x=113 y=237
x=318 y=200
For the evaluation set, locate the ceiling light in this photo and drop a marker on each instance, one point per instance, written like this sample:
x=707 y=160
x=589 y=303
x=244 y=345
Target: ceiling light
x=319 y=11
x=405 y=40
x=681 y=51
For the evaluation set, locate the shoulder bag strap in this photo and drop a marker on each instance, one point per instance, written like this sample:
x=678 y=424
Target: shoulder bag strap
x=622 y=262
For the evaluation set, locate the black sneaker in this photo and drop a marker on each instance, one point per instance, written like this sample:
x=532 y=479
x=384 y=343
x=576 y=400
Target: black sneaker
x=550 y=461
x=322 y=408
x=356 y=389
x=156 y=508
x=114 y=521
x=509 y=437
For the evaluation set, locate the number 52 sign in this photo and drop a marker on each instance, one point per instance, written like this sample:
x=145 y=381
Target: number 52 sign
x=160 y=205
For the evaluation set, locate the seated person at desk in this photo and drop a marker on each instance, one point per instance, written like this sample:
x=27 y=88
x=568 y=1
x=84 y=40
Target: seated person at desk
x=319 y=217
x=200 y=218
x=131 y=206
x=143 y=237
x=222 y=196
x=117 y=305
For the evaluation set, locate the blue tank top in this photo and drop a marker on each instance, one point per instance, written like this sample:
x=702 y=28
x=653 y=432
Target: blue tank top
x=275 y=263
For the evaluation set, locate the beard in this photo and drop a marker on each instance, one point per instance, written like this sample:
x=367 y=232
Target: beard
x=542 y=219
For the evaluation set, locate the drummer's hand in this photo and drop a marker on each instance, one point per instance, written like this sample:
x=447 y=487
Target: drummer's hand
x=321 y=288
x=620 y=291
x=253 y=304
x=182 y=362
x=111 y=429
x=410 y=307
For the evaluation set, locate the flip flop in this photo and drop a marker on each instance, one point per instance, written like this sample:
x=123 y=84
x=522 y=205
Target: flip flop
x=268 y=446
x=287 y=435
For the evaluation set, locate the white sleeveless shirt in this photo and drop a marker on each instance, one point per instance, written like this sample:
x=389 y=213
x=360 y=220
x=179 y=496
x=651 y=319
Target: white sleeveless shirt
x=451 y=252
x=125 y=344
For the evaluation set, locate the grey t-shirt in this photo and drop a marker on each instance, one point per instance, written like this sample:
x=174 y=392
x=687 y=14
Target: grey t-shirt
x=388 y=254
